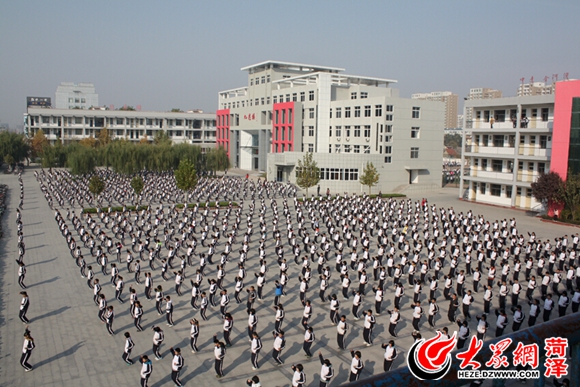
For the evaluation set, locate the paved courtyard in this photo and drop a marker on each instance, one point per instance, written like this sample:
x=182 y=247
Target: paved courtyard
x=73 y=347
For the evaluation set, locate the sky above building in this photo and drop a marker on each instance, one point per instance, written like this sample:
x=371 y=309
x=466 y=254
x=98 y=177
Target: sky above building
x=180 y=54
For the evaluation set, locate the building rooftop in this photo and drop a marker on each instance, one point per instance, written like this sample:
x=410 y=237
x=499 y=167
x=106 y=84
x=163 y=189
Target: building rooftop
x=291 y=66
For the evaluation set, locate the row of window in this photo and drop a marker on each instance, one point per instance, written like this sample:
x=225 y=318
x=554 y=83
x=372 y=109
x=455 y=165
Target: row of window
x=338 y=174
x=346 y=148
x=77 y=100
x=294 y=98
x=356 y=131
x=367 y=111
x=501 y=115
x=501 y=140
x=108 y=121
x=263 y=79
x=495 y=190
x=498 y=165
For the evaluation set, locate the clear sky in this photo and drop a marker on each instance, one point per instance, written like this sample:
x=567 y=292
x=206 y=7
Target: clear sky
x=166 y=54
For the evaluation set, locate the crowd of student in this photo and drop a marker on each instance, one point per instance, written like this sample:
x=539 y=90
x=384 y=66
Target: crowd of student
x=363 y=249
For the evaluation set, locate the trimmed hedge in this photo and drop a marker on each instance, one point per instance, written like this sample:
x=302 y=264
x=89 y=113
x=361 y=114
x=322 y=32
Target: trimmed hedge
x=93 y=210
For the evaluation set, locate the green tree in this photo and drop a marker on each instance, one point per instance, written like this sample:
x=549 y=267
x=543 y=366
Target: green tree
x=307 y=172
x=80 y=160
x=548 y=188
x=161 y=137
x=176 y=110
x=13 y=144
x=8 y=159
x=53 y=156
x=370 y=176
x=217 y=159
x=185 y=175
x=137 y=184
x=570 y=193
x=127 y=108
x=96 y=185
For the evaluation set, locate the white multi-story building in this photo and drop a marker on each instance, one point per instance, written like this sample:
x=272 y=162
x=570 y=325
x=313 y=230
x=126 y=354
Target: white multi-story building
x=71 y=95
x=450 y=101
x=289 y=109
x=67 y=125
x=507 y=148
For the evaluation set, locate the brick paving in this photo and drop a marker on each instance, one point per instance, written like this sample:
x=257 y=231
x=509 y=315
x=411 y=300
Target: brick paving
x=72 y=345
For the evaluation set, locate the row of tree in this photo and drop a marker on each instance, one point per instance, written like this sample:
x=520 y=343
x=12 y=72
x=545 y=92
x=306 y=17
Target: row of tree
x=553 y=191
x=124 y=156
x=308 y=174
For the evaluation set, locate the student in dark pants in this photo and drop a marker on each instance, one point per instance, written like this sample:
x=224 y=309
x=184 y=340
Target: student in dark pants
x=176 y=365
x=27 y=351
x=129 y=345
x=24 y=304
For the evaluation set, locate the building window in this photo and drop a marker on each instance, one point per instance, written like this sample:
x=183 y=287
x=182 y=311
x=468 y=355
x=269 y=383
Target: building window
x=367 y=131
x=311 y=131
x=545 y=112
x=311 y=95
x=498 y=141
x=287 y=97
x=356 y=149
x=330 y=132
x=338 y=131
x=508 y=191
x=388 y=150
x=495 y=190
x=482 y=188
x=353 y=95
x=541 y=168
x=263 y=79
x=262 y=99
x=346 y=148
x=267 y=101
x=302 y=96
x=484 y=164
x=499 y=115
x=532 y=140
x=530 y=167
x=364 y=94
x=378 y=110
x=388 y=117
x=497 y=165
x=388 y=128
x=275 y=99
x=338 y=112
x=336 y=148
x=520 y=166
x=367 y=149
x=543 y=142
x=367 y=110
x=251 y=81
x=311 y=113
x=388 y=160
x=357 y=130
x=388 y=138
x=268 y=78
x=347 y=112
x=329 y=148
x=529 y=192
x=347 y=131
x=357 y=111
x=414 y=132
x=330 y=112
x=389 y=108
x=257 y=101
x=310 y=148
x=294 y=97
x=416 y=112
x=414 y=153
